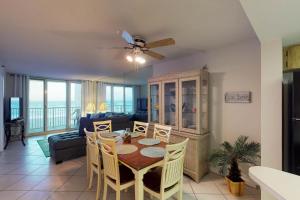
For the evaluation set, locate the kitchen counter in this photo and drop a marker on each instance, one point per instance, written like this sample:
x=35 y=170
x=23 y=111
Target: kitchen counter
x=281 y=185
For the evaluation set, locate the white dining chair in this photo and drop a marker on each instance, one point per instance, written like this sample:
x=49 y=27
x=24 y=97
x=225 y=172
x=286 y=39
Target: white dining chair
x=165 y=181
x=95 y=164
x=141 y=127
x=162 y=132
x=118 y=177
x=92 y=136
x=102 y=127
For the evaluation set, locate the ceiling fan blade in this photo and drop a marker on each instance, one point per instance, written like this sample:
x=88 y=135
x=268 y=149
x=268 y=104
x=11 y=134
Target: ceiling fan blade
x=154 y=55
x=161 y=43
x=112 y=48
x=127 y=37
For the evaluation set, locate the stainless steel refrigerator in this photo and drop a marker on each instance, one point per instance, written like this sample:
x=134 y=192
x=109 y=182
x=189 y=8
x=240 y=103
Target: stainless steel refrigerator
x=291 y=121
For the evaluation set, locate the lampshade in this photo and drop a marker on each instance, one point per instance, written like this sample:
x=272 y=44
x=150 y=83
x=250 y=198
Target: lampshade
x=102 y=107
x=90 y=108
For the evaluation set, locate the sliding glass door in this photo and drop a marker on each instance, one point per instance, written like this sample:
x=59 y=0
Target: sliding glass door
x=36 y=106
x=75 y=104
x=119 y=98
x=53 y=105
x=56 y=105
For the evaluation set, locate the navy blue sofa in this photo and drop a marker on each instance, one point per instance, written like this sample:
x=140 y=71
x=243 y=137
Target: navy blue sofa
x=72 y=145
x=119 y=121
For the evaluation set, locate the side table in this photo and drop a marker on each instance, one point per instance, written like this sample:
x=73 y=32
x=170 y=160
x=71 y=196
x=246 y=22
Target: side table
x=18 y=125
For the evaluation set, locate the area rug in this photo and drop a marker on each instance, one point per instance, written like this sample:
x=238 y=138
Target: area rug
x=44 y=146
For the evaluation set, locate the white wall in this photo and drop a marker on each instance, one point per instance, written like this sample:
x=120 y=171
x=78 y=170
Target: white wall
x=232 y=68
x=144 y=91
x=180 y=64
x=271 y=101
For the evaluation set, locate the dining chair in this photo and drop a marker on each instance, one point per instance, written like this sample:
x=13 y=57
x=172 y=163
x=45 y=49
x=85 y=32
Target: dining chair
x=95 y=163
x=141 y=127
x=92 y=136
x=118 y=177
x=162 y=132
x=165 y=181
x=89 y=133
x=102 y=127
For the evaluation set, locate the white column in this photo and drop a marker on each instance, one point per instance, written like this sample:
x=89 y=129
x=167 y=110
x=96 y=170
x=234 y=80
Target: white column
x=2 y=77
x=271 y=105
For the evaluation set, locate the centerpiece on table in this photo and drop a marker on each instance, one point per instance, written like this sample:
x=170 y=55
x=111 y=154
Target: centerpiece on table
x=127 y=136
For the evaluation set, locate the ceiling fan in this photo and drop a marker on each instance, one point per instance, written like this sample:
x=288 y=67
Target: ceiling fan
x=139 y=46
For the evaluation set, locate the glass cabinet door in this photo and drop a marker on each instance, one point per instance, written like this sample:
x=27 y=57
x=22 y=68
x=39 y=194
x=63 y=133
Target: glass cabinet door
x=189 y=102
x=154 y=96
x=170 y=99
x=204 y=102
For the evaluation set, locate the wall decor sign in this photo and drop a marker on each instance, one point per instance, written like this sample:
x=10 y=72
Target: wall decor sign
x=238 y=97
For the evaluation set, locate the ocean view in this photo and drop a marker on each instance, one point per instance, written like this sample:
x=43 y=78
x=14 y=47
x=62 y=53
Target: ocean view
x=57 y=114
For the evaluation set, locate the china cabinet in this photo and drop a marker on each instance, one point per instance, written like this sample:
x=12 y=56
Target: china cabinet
x=180 y=100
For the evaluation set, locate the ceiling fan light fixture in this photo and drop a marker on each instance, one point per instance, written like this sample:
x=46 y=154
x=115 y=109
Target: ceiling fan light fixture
x=140 y=59
x=129 y=58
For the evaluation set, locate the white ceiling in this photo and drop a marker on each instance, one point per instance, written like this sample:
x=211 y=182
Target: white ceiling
x=68 y=38
x=274 y=19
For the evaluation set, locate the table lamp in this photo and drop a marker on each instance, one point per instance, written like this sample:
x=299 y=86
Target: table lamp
x=102 y=107
x=90 y=108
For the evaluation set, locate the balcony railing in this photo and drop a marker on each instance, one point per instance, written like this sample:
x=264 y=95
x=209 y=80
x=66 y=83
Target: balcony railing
x=120 y=108
x=56 y=118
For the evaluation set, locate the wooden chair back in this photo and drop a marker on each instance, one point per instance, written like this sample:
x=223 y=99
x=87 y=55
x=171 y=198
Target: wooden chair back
x=102 y=127
x=90 y=134
x=141 y=127
x=172 y=171
x=162 y=132
x=93 y=149
x=110 y=159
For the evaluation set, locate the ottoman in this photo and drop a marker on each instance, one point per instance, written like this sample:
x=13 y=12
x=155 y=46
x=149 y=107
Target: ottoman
x=66 y=146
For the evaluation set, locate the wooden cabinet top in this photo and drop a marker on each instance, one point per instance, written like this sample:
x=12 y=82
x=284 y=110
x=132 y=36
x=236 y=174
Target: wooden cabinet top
x=177 y=75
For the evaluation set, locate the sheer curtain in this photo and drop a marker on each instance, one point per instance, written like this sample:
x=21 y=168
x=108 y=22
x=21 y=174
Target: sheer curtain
x=136 y=95
x=89 y=97
x=101 y=94
x=17 y=85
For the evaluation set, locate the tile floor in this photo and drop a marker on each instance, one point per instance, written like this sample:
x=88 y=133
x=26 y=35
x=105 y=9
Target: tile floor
x=26 y=174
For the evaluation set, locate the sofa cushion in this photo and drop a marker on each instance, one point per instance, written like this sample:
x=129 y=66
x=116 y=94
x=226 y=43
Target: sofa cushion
x=97 y=116
x=66 y=140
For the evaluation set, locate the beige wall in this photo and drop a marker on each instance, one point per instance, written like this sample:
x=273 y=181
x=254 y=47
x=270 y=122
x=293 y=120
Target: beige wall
x=271 y=110
x=235 y=68
x=232 y=68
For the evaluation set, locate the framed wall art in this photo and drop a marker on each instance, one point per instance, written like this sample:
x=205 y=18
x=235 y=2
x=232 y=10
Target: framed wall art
x=238 y=97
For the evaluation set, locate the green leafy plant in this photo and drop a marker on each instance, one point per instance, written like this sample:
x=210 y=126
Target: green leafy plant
x=234 y=171
x=228 y=154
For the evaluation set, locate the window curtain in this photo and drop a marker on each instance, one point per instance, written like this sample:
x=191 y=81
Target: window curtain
x=17 y=85
x=89 y=96
x=101 y=94
x=136 y=95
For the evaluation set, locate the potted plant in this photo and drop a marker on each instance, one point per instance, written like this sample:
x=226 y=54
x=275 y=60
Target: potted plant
x=229 y=155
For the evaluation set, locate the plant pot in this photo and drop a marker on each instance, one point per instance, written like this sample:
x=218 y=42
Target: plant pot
x=235 y=188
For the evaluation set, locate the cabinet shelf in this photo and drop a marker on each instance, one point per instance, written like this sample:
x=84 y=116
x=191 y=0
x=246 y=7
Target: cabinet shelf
x=189 y=94
x=170 y=95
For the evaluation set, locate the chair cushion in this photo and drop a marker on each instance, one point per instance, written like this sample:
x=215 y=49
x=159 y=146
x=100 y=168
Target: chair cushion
x=152 y=179
x=126 y=174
